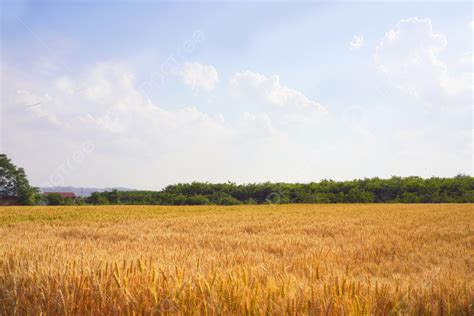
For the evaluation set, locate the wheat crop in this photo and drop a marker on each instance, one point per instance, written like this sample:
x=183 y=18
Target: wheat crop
x=256 y=260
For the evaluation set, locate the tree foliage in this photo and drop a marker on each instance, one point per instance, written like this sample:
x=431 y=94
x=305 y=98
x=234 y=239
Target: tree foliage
x=14 y=183
x=54 y=199
x=459 y=189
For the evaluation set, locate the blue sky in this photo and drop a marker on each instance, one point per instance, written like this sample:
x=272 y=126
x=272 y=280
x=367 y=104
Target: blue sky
x=152 y=93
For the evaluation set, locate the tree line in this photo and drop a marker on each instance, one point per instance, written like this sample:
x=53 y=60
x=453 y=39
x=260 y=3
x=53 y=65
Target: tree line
x=459 y=189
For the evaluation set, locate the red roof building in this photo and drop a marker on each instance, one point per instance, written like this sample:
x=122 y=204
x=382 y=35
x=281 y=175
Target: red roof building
x=63 y=194
x=8 y=202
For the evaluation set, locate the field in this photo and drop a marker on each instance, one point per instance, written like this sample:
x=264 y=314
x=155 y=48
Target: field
x=286 y=259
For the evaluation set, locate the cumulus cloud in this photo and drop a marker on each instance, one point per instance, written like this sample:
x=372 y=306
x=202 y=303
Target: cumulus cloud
x=271 y=91
x=139 y=143
x=287 y=108
x=104 y=98
x=410 y=45
x=409 y=55
x=357 y=42
x=279 y=136
x=102 y=104
x=199 y=76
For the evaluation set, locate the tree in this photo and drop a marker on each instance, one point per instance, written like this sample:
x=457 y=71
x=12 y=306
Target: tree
x=409 y=197
x=54 y=199
x=14 y=183
x=97 y=198
x=356 y=195
x=114 y=197
x=196 y=200
x=223 y=198
x=368 y=190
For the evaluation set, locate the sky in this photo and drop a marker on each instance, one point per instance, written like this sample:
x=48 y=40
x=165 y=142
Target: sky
x=146 y=94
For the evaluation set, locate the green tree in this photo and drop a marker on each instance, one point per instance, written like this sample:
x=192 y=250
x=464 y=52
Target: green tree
x=356 y=195
x=196 y=200
x=114 y=197
x=54 y=199
x=222 y=198
x=409 y=197
x=14 y=183
x=368 y=190
x=98 y=198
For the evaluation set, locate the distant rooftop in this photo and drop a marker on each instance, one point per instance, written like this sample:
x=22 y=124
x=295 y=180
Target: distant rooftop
x=63 y=194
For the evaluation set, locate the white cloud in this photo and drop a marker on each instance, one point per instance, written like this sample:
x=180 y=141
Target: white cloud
x=142 y=144
x=279 y=136
x=102 y=104
x=105 y=97
x=409 y=55
x=199 y=76
x=271 y=91
x=357 y=42
x=287 y=108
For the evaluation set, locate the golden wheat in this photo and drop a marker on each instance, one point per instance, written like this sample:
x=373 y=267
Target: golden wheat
x=272 y=260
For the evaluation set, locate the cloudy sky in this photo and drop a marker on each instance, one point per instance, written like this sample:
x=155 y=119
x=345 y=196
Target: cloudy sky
x=147 y=94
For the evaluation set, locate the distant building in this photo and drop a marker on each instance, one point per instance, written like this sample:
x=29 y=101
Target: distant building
x=70 y=195
x=8 y=202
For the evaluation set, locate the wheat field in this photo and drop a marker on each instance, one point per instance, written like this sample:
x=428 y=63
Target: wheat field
x=258 y=260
